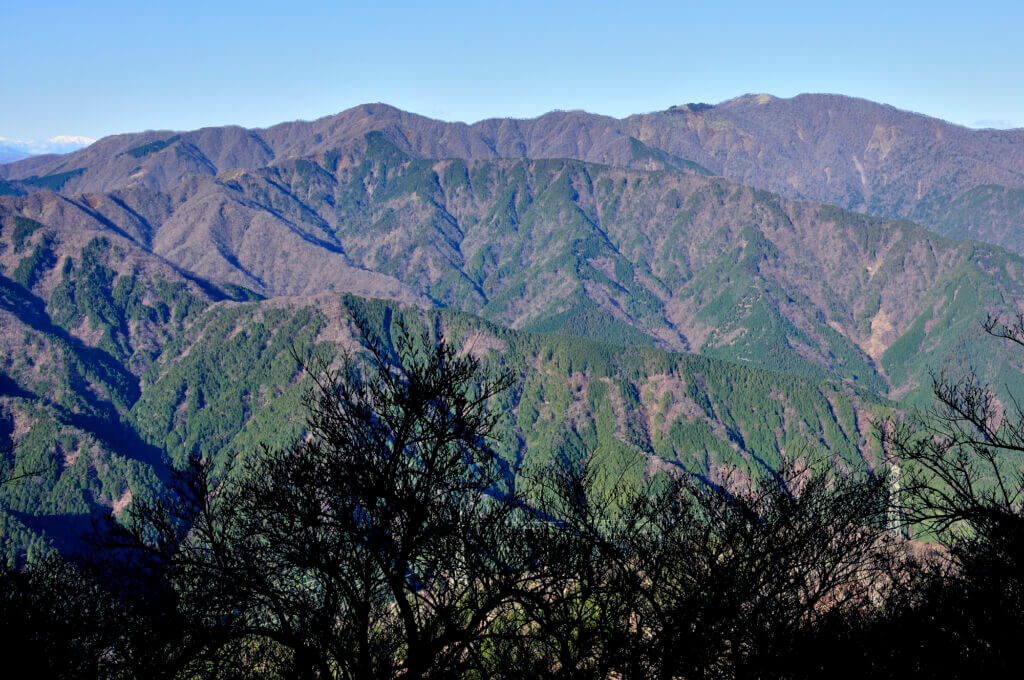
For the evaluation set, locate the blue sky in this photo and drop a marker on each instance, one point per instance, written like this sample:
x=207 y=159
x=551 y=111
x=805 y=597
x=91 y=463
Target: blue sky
x=98 y=68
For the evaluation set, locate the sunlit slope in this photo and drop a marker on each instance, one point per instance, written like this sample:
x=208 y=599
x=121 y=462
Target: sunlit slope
x=230 y=382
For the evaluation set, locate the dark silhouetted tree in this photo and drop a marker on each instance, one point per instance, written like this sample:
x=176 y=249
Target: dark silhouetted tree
x=675 y=577
x=963 y=485
x=385 y=543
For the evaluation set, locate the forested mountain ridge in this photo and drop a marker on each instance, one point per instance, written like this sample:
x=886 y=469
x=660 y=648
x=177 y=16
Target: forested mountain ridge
x=671 y=258
x=839 y=150
x=225 y=381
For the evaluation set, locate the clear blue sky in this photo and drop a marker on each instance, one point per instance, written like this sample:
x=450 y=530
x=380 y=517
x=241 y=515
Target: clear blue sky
x=98 y=68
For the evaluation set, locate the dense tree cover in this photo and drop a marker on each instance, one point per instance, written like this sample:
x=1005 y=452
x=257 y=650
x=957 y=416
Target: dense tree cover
x=60 y=410
x=617 y=255
x=63 y=401
x=391 y=541
x=223 y=382
x=634 y=403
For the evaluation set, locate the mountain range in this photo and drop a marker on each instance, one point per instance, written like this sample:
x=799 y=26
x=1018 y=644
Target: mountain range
x=847 y=152
x=783 y=270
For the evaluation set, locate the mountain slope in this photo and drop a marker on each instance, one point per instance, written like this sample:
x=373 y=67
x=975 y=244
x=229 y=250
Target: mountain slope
x=226 y=382
x=670 y=258
x=848 y=152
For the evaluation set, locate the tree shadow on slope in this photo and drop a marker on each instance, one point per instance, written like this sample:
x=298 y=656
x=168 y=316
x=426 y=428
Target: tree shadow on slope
x=101 y=417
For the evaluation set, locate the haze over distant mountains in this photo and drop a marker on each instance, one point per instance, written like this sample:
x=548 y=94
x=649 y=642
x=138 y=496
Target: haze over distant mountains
x=844 y=244
x=12 y=150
